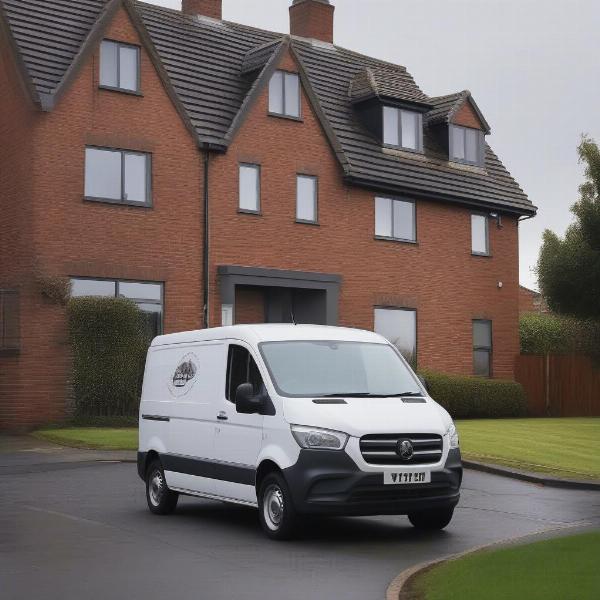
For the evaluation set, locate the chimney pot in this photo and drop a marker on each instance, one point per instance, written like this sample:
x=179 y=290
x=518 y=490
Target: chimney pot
x=312 y=19
x=204 y=8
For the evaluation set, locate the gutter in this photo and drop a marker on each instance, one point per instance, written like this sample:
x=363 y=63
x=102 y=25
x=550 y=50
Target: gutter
x=206 y=245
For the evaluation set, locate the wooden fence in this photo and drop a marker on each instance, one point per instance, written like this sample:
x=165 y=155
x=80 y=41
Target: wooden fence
x=559 y=385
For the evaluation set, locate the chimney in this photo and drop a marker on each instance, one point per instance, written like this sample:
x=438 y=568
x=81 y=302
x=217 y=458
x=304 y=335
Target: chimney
x=312 y=19
x=203 y=8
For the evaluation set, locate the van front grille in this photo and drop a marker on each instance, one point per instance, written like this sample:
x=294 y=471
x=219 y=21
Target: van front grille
x=385 y=448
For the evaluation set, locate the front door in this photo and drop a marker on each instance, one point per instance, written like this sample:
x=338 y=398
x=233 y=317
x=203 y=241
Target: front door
x=238 y=437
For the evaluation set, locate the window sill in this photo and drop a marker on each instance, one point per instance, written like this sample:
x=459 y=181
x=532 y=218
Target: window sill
x=246 y=211
x=419 y=151
x=108 y=88
x=118 y=202
x=383 y=238
x=481 y=255
x=286 y=117
x=303 y=222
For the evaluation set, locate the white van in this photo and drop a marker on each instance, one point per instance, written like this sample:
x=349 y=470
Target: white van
x=295 y=419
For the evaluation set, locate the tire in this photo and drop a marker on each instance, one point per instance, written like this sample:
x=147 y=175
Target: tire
x=276 y=511
x=161 y=500
x=431 y=519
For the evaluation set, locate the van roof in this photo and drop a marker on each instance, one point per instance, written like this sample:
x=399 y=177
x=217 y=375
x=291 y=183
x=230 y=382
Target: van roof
x=255 y=334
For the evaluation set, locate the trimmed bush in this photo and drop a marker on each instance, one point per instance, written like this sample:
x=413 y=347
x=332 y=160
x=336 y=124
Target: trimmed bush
x=475 y=397
x=109 y=339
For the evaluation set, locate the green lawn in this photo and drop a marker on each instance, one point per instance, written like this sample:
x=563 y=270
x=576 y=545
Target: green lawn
x=104 y=438
x=568 y=448
x=558 y=569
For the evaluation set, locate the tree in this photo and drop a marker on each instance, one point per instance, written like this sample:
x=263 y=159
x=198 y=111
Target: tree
x=568 y=269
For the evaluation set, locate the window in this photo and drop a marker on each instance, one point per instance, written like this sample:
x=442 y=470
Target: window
x=119 y=66
x=147 y=296
x=119 y=176
x=9 y=320
x=480 y=243
x=402 y=128
x=241 y=368
x=466 y=145
x=399 y=327
x=306 y=199
x=482 y=348
x=395 y=219
x=249 y=188
x=284 y=94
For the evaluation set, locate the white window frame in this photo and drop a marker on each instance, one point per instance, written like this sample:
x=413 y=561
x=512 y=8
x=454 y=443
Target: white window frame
x=413 y=239
x=418 y=131
x=283 y=113
x=256 y=168
x=123 y=199
x=118 y=87
x=416 y=328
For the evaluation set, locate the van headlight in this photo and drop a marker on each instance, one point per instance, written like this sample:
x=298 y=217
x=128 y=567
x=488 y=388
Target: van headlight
x=319 y=439
x=452 y=434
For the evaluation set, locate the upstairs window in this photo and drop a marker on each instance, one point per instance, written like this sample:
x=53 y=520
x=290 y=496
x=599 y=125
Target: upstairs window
x=395 y=219
x=119 y=66
x=480 y=243
x=249 y=188
x=284 y=94
x=402 y=128
x=9 y=321
x=466 y=145
x=306 y=199
x=119 y=176
x=482 y=348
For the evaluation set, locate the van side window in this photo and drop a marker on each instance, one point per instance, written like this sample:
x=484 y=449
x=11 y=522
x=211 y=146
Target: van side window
x=241 y=368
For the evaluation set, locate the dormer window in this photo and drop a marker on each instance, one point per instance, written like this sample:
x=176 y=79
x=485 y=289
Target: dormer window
x=402 y=128
x=466 y=145
x=284 y=95
x=119 y=66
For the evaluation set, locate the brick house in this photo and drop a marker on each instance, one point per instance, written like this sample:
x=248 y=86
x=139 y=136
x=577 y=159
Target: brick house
x=217 y=173
x=531 y=301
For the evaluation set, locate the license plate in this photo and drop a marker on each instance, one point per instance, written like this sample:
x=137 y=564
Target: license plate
x=406 y=478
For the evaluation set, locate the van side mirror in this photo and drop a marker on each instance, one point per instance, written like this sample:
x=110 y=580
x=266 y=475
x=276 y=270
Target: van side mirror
x=424 y=382
x=246 y=402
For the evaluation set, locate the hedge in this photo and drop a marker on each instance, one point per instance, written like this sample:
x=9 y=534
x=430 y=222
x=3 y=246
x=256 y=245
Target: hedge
x=476 y=397
x=109 y=340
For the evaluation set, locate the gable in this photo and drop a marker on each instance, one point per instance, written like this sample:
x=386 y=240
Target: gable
x=467 y=117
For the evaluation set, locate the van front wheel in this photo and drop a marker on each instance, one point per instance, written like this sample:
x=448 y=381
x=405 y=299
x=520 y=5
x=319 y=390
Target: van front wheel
x=161 y=500
x=276 y=511
x=431 y=519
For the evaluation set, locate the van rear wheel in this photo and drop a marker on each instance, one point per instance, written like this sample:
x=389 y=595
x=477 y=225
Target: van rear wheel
x=431 y=519
x=161 y=500
x=276 y=511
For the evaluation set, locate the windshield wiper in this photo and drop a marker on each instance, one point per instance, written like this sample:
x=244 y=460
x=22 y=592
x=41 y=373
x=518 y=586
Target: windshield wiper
x=369 y=395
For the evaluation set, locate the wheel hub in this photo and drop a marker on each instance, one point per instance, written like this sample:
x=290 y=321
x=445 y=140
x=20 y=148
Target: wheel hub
x=273 y=507
x=156 y=488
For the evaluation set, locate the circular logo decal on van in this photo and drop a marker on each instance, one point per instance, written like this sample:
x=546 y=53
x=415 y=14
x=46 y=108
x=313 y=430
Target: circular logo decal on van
x=184 y=377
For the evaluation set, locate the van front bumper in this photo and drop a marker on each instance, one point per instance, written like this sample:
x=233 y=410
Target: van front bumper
x=330 y=482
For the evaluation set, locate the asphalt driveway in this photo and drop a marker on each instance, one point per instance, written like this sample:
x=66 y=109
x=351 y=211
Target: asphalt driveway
x=72 y=530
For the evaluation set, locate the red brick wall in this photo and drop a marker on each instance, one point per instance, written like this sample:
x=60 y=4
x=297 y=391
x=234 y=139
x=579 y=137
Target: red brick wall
x=208 y=8
x=438 y=276
x=72 y=237
x=312 y=20
x=249 y=305
x=467 y=117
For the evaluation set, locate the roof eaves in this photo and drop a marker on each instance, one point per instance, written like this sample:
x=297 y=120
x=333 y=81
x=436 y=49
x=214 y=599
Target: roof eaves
x=323 y=120
x=24 y=75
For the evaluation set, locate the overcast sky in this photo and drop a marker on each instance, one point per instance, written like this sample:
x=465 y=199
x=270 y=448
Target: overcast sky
x=531 y=65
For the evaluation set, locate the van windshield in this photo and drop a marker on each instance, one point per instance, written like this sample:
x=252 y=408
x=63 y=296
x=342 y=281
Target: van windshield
x=332 y=368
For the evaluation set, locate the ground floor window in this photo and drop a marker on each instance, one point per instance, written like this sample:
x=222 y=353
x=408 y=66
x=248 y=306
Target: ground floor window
x=482 y=347
x=399 y=326
x=147 y=295
x=9 y=320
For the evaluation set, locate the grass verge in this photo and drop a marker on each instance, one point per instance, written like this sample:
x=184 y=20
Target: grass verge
x=557 y=569
x=98 y=438
x=564 y=447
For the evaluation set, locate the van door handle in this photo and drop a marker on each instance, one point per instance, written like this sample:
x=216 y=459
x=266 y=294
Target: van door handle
x=222 y=416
